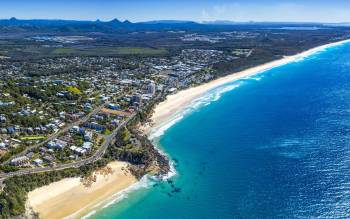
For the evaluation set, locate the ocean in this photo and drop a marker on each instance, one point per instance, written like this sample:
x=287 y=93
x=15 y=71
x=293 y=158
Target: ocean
x=273 y=145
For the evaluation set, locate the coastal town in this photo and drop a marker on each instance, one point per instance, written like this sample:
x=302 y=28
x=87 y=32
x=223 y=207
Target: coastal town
x=75 y=98
x=51 y=120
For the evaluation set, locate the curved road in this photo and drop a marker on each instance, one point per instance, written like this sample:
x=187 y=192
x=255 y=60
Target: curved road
x=98 y=154
x=57 y=134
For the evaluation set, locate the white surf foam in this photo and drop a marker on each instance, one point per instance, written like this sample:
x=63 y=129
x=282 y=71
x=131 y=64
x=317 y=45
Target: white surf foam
x=205 y=100
x=208 y=98
x=88 y=215
x=145 y=182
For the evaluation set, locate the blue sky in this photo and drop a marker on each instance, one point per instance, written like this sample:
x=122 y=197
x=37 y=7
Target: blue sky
x=197 y=10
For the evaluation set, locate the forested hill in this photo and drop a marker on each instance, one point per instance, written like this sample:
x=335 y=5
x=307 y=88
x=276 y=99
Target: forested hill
x=115 y=25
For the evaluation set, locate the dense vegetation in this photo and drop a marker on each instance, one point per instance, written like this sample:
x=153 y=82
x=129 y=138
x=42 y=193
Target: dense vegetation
x=132 y=42
x=14 y=195
x=143 y=158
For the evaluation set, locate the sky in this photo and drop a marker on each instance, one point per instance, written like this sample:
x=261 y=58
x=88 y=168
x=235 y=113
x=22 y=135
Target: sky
x=195 y=10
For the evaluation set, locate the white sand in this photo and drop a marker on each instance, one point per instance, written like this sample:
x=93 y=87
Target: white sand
x=175 y=103
x=69 y=198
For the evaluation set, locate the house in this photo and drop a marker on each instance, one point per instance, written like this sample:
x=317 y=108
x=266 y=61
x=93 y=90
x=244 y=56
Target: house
x=57 y=144
x=49 y=159
x=80 y=151
x=95 y=126
x=38 y=162
x=75 y=129
x=88 y=136
x=62 y=115
x=60 y=94
x=2 y=145
x=51 y=144
x=99 y=117
x=60 y=144
x=30 y=130
x=73 y=148
x=20 y=161
x=2 y=118
x=113 y=106
x=11 y=130
x=30 y=155
x=87 y=106
x=87 y=146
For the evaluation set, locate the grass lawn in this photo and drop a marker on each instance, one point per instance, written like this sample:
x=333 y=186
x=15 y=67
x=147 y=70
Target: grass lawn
x=32 y=138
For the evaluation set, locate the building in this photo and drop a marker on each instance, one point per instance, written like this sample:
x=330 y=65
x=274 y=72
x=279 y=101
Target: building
x=2 y=118
x=20 y=161
x=38 y=162
x=113 y=106
x=57 y=144
x=73 y=148
x=88 y=136
x=75 y=129
x=80 y=151
x=151 y=88
x=95 y=126
x=87 y=146
x=2 y=145
x=136 y=100
x=49 y=159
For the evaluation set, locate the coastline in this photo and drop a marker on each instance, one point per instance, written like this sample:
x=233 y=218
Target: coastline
x=75 y=199
x=164 y=112
x=163 y=116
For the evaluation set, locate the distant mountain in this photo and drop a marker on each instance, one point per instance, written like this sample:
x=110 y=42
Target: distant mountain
x=168 y=22
x=115 y=25
x=73 y=26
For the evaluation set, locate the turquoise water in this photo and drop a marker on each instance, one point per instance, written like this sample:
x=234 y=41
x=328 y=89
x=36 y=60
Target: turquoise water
x=272 y=146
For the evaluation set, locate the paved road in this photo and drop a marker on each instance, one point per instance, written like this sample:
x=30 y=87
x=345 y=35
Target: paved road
x=98 y=154
x=61 y=131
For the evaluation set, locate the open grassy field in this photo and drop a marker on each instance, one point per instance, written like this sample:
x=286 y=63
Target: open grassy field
x=32 y=138
x=110 y=51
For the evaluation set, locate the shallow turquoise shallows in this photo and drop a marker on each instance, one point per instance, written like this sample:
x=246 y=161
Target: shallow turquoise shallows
x=275 y=145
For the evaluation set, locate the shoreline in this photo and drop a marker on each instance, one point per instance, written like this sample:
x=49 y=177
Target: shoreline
x=75 y=198
x=164 y=112
x=163 y=116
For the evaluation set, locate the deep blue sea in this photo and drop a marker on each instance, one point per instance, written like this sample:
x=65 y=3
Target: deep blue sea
x=275 y=145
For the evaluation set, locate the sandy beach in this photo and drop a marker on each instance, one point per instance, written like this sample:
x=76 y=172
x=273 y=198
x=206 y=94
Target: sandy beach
x=70 y=198
x=175 y=103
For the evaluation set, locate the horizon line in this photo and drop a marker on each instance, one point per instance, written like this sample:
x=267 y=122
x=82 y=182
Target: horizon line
x=179 y=20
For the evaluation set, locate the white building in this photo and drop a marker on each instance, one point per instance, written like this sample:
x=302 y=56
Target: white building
x=38 y=161
x=151 y=88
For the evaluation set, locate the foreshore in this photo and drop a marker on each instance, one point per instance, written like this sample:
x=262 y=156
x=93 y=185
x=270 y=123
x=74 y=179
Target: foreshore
x=69 y=198
x=74 y=198
x=165 y=111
